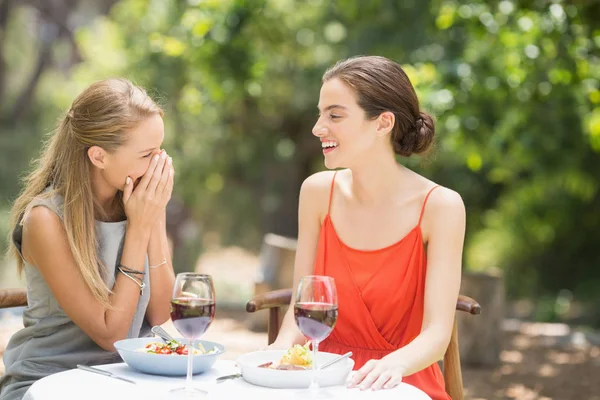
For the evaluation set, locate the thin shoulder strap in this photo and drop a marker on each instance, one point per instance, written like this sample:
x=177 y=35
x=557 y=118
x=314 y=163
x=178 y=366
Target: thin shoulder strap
x=425 y=202
x=331 y=192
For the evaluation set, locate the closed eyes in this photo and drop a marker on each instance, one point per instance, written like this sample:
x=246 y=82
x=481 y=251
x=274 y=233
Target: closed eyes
x=332 y=116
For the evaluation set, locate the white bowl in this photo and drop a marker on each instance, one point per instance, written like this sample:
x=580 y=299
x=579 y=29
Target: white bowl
x=281 y=379
x=165 y=364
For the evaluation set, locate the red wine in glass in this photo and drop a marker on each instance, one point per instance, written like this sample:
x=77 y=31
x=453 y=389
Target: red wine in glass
x=192 y=311
x=316 y=312
x=192 y=317
x=315 y=320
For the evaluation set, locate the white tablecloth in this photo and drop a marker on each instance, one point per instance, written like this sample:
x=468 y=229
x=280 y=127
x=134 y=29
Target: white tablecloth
x=77 y=384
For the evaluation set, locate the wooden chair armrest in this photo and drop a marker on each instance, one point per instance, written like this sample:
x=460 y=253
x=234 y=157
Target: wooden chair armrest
x=467 y=304
x=275 y=298
x=13 y=298
x=282 y=297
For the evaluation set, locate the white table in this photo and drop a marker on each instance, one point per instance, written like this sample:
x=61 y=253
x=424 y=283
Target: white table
x=77 y=384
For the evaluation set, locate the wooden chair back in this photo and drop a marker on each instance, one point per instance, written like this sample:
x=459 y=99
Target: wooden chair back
x=13 y=298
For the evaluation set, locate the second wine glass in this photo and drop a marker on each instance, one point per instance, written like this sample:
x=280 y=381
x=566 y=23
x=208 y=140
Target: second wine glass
x=316 y=312
x=192 y=312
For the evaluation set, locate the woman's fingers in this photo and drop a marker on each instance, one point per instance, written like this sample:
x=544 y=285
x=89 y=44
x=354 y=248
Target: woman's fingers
x=156 y=175
x=169 y=187
x=370 y=378
x=383 y=378
x=362 y=373
x=164 y=178
x=127 y=190
x=143 y=185
x=394 y=381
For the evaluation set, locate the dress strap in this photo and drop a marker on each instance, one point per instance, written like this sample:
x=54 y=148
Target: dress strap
x=331 y=192
x=425 y=202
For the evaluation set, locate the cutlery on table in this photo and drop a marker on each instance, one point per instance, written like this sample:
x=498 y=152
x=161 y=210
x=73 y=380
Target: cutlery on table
x=227 y=377
x=159 y=331
x=238 y=375
x=335 y=360
x=103 y=372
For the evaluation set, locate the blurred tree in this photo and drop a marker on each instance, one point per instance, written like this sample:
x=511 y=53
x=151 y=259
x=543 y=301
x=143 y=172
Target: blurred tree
x=524 y=83
x=36 y=41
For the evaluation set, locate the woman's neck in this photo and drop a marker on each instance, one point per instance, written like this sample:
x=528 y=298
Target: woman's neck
x=106 y=198
x=375 y=180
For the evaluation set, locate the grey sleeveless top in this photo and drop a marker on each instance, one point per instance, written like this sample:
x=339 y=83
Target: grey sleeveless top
x=50 y=341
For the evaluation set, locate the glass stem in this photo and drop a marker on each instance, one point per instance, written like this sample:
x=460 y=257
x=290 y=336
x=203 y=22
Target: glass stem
x=314 y=383
x=188 y=379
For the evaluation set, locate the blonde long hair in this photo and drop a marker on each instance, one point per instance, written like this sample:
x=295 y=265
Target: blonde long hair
x=100 y=116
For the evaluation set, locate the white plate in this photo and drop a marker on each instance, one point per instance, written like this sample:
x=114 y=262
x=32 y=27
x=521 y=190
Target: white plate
x=331 y=376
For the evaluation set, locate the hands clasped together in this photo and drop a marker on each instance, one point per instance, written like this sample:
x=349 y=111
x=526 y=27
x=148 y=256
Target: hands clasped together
x=145 y=203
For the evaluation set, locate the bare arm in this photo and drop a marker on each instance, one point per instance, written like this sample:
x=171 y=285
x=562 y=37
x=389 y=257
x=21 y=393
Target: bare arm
x=313 y=200
x=45 y=245
x=444 y=227
x=162 y=278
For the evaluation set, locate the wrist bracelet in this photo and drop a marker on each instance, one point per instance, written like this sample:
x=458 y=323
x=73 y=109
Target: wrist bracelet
x=158 y=265
x=140 y=283
x=123 y=268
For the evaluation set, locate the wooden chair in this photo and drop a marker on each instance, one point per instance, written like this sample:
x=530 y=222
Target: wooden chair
x=13 y=298
x=276 y=299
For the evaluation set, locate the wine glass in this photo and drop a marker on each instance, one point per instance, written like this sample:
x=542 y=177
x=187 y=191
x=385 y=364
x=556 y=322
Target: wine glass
x=192 y=311
x=316 y=312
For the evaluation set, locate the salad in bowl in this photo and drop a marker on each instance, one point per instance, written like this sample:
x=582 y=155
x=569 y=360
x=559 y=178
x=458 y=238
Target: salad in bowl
x=152 y=356
x=174 y=347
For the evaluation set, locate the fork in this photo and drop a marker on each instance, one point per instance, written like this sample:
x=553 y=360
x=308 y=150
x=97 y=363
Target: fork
x=159 y=331
x=103 y=372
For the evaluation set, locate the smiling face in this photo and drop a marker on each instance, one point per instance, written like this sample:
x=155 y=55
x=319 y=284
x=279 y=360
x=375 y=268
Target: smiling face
x=133 y=157
x=343 y=128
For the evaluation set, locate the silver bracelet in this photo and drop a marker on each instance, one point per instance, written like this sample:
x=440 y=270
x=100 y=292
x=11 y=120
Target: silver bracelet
x=158 y=265
x=140 y=283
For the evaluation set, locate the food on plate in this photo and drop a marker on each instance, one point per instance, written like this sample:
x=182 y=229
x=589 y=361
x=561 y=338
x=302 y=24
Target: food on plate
x=297 y=358
x=175 y=348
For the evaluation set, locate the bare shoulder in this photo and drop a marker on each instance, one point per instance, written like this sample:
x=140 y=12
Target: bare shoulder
x=444 y=214
x=41 y=219
x=440 y=197
x=318 y=182
x=317 y=186
x=314 y=193
x=444 y=200
x=41 y=228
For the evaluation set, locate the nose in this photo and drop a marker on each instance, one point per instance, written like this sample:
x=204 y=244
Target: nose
x=319 y=130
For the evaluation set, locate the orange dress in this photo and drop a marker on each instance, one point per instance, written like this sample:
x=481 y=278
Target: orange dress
x=380 y=296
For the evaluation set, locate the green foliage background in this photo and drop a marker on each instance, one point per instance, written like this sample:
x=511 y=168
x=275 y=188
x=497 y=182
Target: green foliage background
x=514 y=86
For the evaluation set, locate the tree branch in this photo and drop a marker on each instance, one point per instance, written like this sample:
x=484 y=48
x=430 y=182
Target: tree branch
x=57 y=15
x=5 y=9
x=24 y=101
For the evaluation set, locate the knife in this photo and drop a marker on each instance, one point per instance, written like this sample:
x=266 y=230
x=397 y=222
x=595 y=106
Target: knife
x=222 y=379
x=103 y=372
x=227 y=377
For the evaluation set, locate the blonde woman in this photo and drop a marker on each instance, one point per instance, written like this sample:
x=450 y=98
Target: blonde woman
x=89 y=234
